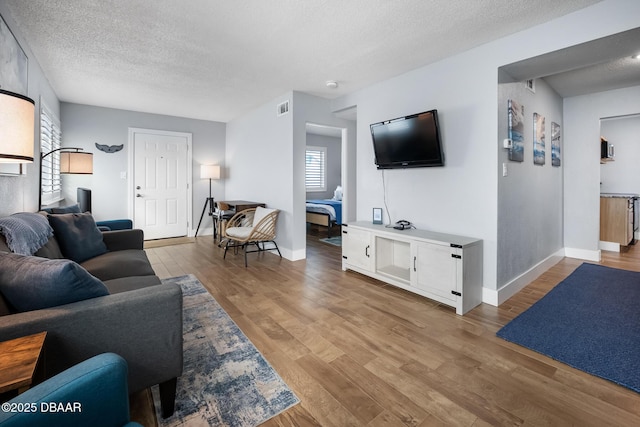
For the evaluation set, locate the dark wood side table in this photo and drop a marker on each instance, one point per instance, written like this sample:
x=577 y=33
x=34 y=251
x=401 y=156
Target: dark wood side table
x=240 y=205
x=18 y=362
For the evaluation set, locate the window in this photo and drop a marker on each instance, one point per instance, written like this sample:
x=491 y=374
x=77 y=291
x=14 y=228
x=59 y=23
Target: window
x=50 y=138
x=316 y=168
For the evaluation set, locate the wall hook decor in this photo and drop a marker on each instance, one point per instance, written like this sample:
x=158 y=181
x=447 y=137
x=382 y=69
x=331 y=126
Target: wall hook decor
x=109 y=148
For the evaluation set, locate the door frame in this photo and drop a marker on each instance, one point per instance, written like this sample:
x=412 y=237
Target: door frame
x=130 y=170
x=347 y=200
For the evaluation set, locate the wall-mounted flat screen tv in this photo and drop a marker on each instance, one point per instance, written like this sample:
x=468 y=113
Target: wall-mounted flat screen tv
x=408 y=142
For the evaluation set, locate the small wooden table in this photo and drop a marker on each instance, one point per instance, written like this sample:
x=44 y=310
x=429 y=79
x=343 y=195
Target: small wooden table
x=18 y=361
x=240 y=205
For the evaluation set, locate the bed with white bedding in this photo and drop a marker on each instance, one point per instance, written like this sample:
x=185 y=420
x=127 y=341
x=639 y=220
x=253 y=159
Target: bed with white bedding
x=325 y=213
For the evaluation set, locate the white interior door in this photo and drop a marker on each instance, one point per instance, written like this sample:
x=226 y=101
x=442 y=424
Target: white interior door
x=161 y=173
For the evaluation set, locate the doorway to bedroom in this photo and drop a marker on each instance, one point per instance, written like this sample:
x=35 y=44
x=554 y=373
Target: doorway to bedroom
x=324 y=186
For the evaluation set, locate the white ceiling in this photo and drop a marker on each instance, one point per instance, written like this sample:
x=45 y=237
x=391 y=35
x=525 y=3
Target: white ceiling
x=596 y=66
x=323 y=130
x=216 y=59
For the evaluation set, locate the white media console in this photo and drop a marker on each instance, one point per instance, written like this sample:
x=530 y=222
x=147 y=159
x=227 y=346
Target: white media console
x=444 y=267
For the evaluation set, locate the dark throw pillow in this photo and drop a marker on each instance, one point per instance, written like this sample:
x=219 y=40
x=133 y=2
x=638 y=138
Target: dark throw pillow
x=77 y=235
x=31 y=283
x=66 y=209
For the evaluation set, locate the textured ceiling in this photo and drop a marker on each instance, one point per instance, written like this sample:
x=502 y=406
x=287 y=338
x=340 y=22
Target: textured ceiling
x=615 y=74
x=596 y=66
x=216 y=59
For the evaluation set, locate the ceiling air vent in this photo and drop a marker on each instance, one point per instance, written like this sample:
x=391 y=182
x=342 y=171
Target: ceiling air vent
x=283 y=108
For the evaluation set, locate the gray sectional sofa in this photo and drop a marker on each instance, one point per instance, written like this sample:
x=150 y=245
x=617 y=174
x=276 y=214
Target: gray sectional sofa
x=130 y=313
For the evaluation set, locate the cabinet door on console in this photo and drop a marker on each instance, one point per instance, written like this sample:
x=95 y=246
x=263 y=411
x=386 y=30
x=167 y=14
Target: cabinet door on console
x=435 y=270
x=357 y=248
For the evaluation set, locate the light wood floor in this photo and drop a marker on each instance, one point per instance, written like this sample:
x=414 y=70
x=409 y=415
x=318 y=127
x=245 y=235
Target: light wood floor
x=361 y=353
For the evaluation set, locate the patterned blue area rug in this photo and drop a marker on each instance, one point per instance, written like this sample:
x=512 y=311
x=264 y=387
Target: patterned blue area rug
x=226 y=381
x=590 y=321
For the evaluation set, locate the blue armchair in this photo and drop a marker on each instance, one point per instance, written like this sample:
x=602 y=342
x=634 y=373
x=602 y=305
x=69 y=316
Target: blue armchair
x=115 y=224
x=91 y=393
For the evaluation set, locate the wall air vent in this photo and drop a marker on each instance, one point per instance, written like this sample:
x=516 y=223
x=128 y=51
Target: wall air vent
x=531 y=85
x=283 y=108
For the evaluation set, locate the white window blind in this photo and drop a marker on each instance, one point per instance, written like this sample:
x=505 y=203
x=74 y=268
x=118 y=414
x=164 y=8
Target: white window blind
x=50 y=139
x=316 y=168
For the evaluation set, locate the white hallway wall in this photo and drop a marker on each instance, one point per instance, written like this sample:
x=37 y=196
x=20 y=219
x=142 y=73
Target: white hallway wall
x=582 y=116
x=461 y=198
x=312 y=109
x=530 y=196
x=621 y=175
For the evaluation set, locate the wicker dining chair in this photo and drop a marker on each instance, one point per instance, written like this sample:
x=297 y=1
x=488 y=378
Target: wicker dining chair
x=255 y=226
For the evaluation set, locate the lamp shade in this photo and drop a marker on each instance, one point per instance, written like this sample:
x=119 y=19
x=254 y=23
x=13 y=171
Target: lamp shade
x=17 y=115
x=76 y=162
x=210 y=171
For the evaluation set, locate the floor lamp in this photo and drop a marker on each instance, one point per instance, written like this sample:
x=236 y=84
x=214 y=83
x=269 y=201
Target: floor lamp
x=17 y=118
x=71 y=162
x=209 y=172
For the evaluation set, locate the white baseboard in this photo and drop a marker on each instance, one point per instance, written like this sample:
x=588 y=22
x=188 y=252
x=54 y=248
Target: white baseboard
x=496 y=297
x=609 y=246
x=582 y=254
x=201 y=232
x=490 y=296
x=292 y=255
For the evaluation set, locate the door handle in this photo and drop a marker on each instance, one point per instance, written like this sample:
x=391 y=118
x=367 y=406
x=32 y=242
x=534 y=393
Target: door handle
x=414 y=263
x=138 y=187
x=366 y=251
x=138 y=195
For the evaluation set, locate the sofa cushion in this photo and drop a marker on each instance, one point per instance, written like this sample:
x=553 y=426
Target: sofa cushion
x=4 y=306
x=50 y=250
x=125 y=284
x=31 y=283
x=117 y=264
x=3 y=244
x=66 y=209
x=77 y=235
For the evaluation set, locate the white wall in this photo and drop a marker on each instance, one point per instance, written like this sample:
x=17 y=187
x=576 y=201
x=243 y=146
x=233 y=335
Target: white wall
x=266 y=156
x=459 y=198
x=582 y=116
x=259 y=152
x=20 y=193
x=530 y=196
x=84 y=125
x=621 y=175
x=312 y=109
x=462 y=197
